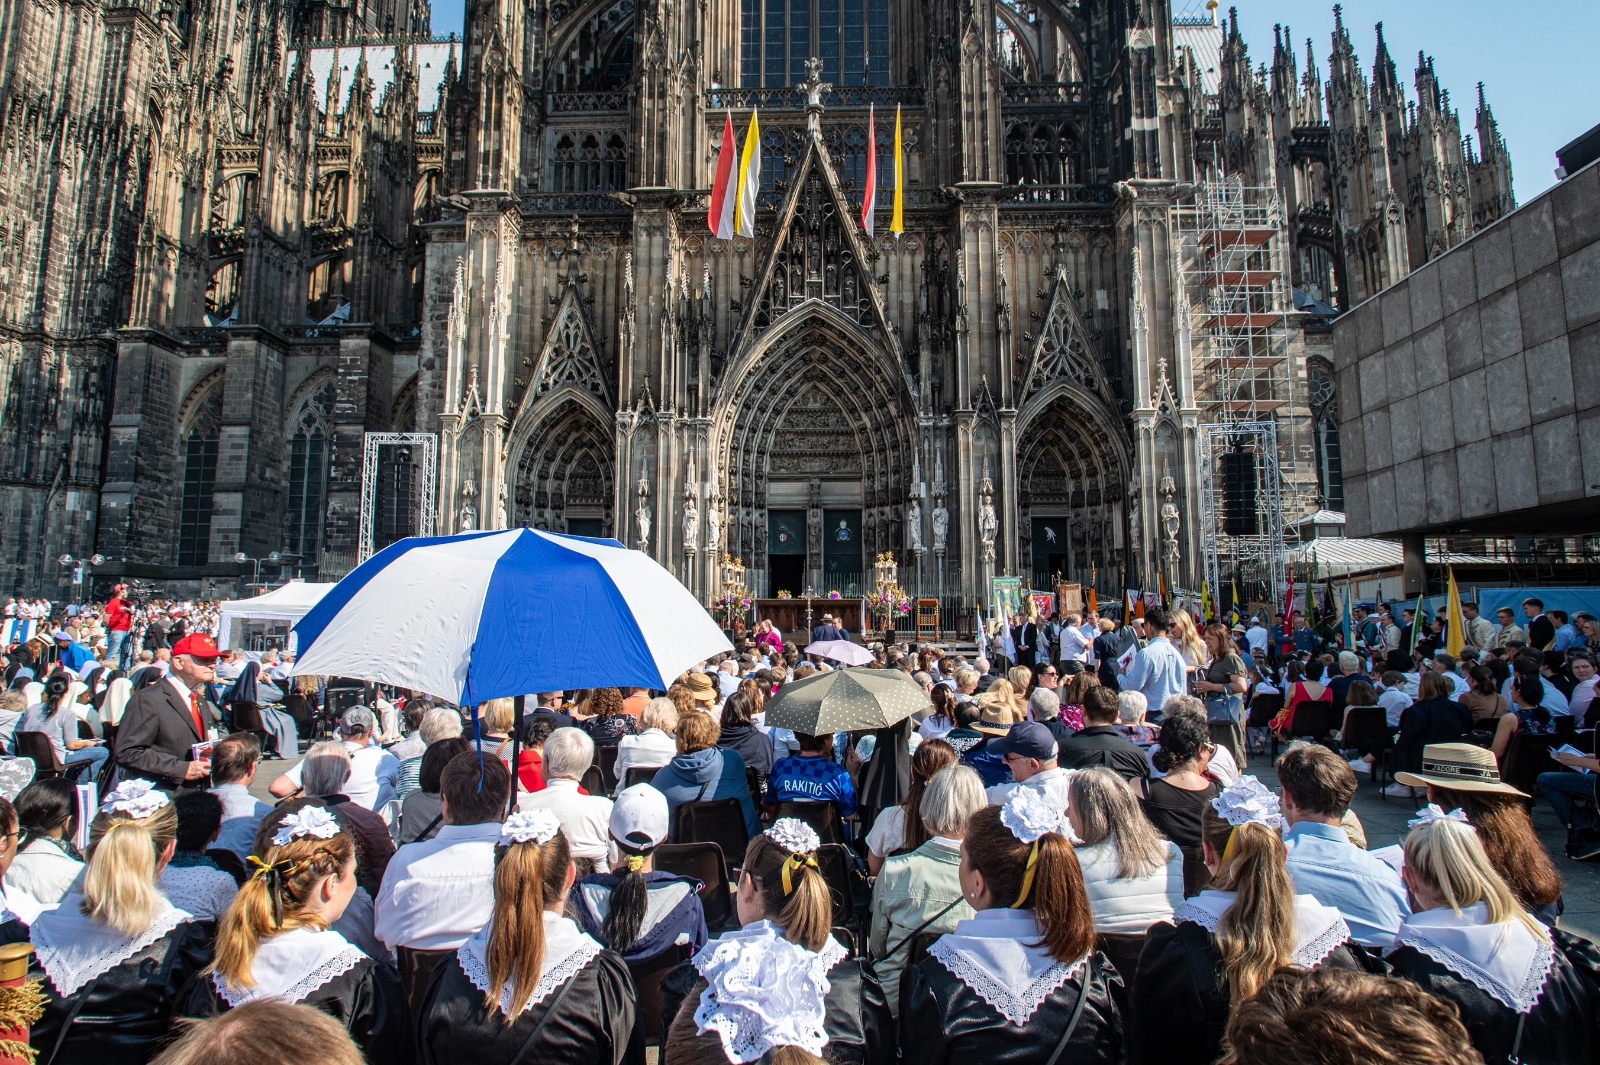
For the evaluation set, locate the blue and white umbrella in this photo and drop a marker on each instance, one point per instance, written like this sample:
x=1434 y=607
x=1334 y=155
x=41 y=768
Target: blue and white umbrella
x=490 y=614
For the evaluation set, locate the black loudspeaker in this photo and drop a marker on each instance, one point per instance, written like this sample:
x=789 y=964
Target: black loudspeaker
x=1241 y=484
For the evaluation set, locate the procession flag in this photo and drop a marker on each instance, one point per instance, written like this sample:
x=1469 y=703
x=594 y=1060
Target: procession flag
x=744 y=218
x=897 y=224
x=869 y=202
x=1416 y=625
x=1455 y=633
x=1349 y=618
x=720 y=218
x=1288 y=608
x=1206 y=613
x=1235 y=611
x=1094 y=600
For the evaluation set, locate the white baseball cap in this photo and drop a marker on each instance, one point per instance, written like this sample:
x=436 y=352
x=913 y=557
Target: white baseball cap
x=639 y=818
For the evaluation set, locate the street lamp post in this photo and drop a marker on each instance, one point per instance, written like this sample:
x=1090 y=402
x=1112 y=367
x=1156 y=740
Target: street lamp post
x=79 y=572
x=255 y=569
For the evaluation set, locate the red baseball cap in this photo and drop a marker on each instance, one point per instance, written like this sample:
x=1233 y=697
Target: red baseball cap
x=198 y=645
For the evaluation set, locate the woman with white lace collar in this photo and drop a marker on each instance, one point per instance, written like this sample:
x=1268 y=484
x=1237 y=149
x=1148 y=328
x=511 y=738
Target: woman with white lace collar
x=529 y=986
x=781 y=984
x=1021 y=981
x=1241 y=930
x=114 y=957
x=275 y=941
x=1469 y=942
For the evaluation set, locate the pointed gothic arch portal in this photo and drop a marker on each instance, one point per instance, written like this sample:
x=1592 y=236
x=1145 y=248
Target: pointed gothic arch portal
x=564 y=480
x=816 y=429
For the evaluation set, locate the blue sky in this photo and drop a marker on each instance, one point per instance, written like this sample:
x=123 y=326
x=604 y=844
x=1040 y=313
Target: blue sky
x=1535 y=58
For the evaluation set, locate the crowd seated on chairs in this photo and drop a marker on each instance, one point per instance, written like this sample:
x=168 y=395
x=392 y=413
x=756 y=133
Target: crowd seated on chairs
x=1166 y=908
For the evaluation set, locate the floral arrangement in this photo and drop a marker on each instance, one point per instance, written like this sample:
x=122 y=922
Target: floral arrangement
x=783 y=593
x=891 y=601
x=834 y=594
x=731 y=607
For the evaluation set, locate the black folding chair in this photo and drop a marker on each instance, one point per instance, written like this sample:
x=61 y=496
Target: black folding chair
x=594 y=781
x=1312 y=719
x=416 y=969
x=641 y=774
x=834 y=861
x=36 y=745
x=606 y=759
x=1366 y=729
x=647 y=991
x=704 y=862
x=720 y=821
x=823 y=817
x=1527 y=757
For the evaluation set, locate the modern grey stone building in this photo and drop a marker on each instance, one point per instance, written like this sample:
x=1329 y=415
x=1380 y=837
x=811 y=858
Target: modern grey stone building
x=1470 y=392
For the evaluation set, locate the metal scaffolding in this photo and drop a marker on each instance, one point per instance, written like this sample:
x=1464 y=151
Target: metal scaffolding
x=419 y=452
x=1234 y=266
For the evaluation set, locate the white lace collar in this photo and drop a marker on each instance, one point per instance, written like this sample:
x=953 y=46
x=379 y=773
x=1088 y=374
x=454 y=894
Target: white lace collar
x=74 y=950
x=567 y=949
x=1506 y=960
x=1321 y=928
x=293 y=965
x=995 y=953
x=764 y=991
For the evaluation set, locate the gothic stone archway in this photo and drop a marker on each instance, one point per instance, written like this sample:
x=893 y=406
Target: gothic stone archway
x=563 y=480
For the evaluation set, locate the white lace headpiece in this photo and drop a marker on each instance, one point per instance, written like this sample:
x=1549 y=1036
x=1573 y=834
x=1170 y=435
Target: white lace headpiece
x=530 y=826
x=1247 y=801
x=762 y=991
x=1029 y=816
x=136 y=798
x=794 y=835
x=307 y=821
x=1434 y=812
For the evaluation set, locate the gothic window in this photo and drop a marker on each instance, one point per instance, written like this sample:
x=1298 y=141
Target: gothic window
x=589 y=162
x=333 y=191
x=232 y=200
x=851 y=37
x=598 y=57
x=1325 y=420
x=327 y=299
x=1042 y=153
x=308 y=473
x=198 y=448
x=222 y=294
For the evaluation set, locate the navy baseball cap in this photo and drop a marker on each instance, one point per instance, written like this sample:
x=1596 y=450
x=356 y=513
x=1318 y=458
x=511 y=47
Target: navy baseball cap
x=1028 y=739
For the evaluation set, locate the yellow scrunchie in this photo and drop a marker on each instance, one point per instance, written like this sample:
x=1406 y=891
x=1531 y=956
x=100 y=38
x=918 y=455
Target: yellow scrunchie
x=792 y=864
x=1027 y=876
x=635 y=862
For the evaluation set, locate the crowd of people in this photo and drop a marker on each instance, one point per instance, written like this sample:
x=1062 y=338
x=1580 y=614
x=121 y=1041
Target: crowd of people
x=1064 y=859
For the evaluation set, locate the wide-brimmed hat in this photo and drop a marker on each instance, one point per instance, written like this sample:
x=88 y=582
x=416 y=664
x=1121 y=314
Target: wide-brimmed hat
x=702 y=688
x=991 y=723
x=1460 y=767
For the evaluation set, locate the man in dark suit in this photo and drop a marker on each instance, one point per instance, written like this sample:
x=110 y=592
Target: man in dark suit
x=164 y=720
x=827 y=631
x=1026 y=637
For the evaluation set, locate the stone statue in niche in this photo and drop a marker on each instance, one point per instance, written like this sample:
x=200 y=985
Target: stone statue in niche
x=988 y=523
x=914 y=524
x=691 y=522
x=713 y=529
x=468 y=521
x=641 y=514
x=941 y=525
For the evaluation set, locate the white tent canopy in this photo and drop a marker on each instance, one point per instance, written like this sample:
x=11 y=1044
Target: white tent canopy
x=289 y=603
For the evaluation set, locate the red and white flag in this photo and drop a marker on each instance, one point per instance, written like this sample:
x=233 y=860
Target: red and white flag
x=869 y=202
x=723 y=194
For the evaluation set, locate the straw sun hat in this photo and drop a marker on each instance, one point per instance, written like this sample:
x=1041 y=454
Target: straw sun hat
x=1460 y=767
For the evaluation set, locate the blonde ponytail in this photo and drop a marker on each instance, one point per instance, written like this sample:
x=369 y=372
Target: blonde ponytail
x=125 y=855
x=803 y=907
x=527 y=879
x=1448 y=856
x=273 y=901
x=1259 y=933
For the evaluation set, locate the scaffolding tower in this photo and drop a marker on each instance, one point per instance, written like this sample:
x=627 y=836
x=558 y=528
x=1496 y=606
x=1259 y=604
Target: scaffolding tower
x=1234 y=266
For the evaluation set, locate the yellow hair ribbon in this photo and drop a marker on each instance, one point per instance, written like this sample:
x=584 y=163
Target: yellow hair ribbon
x=1027 y=876
x=635 y=862
x=1227 y=851
x=793 y=863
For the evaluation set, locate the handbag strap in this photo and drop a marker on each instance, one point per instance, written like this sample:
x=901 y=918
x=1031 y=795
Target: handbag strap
x=1515 y=1058
x=79 y=1001
x=428 y=832
x=1077 y=1011
x=923 y=927
x=538 y=1028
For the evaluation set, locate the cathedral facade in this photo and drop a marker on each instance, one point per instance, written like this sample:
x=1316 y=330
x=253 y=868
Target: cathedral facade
x=240 y=237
